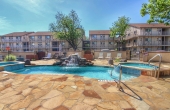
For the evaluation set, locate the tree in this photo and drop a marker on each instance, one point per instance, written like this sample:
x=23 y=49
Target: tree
x=159 y=11
x=68 y=27
x=119 y=28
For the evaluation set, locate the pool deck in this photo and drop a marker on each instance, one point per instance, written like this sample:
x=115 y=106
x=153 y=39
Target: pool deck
x=69 y=92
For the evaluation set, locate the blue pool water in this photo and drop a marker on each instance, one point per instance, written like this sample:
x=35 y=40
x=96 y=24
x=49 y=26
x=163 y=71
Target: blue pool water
x=139 y=65
x=97 y=72
x=6 y=63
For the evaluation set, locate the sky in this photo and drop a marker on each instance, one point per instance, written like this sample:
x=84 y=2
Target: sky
x=36 y=15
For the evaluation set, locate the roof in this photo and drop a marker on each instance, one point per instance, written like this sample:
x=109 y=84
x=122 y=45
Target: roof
x=18 y=34
x=99 y=32
x=143 y=25
x=45 y=33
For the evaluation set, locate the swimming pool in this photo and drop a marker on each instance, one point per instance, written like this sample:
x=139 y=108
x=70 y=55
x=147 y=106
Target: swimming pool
x=139 y=65
x=97 y=72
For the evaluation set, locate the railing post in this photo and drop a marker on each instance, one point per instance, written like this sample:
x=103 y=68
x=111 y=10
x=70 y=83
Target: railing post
x=120 y=75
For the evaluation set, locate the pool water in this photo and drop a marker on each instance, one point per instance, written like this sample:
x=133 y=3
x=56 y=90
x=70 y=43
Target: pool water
x=97 y=72
x=6 y=63
x=139 y=65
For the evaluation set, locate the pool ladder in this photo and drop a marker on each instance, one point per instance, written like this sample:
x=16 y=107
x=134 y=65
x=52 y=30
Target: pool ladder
x=120 y=75
x=160 y=60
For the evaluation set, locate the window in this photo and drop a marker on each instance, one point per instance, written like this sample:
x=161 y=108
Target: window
x=32 y=38
x=102 y=36
x=146 y=39
x=93 y=43
x=102 y=43
x=135 y=32
x=148 y=30
x=32 y=45
x=18 y=37
x=159 y=29
x=93 y=36
x=39 y=37
x=110 y=43
x=47 y=37
x=148 y=49
x=47 y=44
x=39 y=44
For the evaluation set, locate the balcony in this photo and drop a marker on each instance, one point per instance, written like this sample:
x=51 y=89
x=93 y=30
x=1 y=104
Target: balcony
x=154 y=33
x=100 y=39
x=157 y=43
x=11 y=40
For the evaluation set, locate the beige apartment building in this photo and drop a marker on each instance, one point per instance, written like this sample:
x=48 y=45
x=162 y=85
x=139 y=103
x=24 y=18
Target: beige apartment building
x=139 y=36
x=33 y=41
x=148 y=37
x=100 y=39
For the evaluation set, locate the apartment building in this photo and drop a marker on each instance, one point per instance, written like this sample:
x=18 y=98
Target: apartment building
x=33 y=41
x=149 y=37
x=139 y=36
x=100 y=39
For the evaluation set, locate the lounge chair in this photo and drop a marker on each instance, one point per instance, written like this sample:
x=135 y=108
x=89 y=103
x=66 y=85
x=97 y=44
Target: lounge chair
x=100 y=55
x=48 y=56
x=119 y=56
x=108 y=55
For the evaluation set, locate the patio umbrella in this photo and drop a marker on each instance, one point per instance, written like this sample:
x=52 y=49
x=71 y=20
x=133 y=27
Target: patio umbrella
x=60 y=49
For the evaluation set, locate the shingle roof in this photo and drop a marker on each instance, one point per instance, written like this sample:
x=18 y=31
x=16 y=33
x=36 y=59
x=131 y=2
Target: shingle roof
x=142 y=25
x=41 y=33
x=99 y=32
x=18 y=34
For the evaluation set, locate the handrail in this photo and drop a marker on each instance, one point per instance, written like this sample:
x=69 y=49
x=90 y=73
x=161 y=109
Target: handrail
x=160 y=60
x=120 y=75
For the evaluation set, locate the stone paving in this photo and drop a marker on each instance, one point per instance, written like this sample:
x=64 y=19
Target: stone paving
x=69 y=92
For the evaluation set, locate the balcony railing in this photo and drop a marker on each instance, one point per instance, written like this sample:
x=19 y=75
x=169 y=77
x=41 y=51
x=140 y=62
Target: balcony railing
x=154 y=33
x=101 y=39
x=149 y=43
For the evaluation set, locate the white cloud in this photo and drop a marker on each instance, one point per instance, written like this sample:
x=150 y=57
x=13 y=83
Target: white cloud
x=4 y=23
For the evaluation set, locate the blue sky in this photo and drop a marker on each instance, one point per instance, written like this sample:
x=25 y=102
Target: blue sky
x=36 y=15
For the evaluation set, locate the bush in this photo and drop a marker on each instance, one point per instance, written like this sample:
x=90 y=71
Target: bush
x=117 y=60
x=11 y=58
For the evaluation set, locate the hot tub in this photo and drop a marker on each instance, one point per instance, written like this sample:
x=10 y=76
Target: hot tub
x=12 y=65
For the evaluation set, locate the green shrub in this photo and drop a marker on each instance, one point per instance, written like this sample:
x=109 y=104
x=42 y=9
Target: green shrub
x=117 y=60
x=10 y=57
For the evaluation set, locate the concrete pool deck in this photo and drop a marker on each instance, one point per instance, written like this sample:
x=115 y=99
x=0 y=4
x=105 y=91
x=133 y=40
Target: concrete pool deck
x=69 y=92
